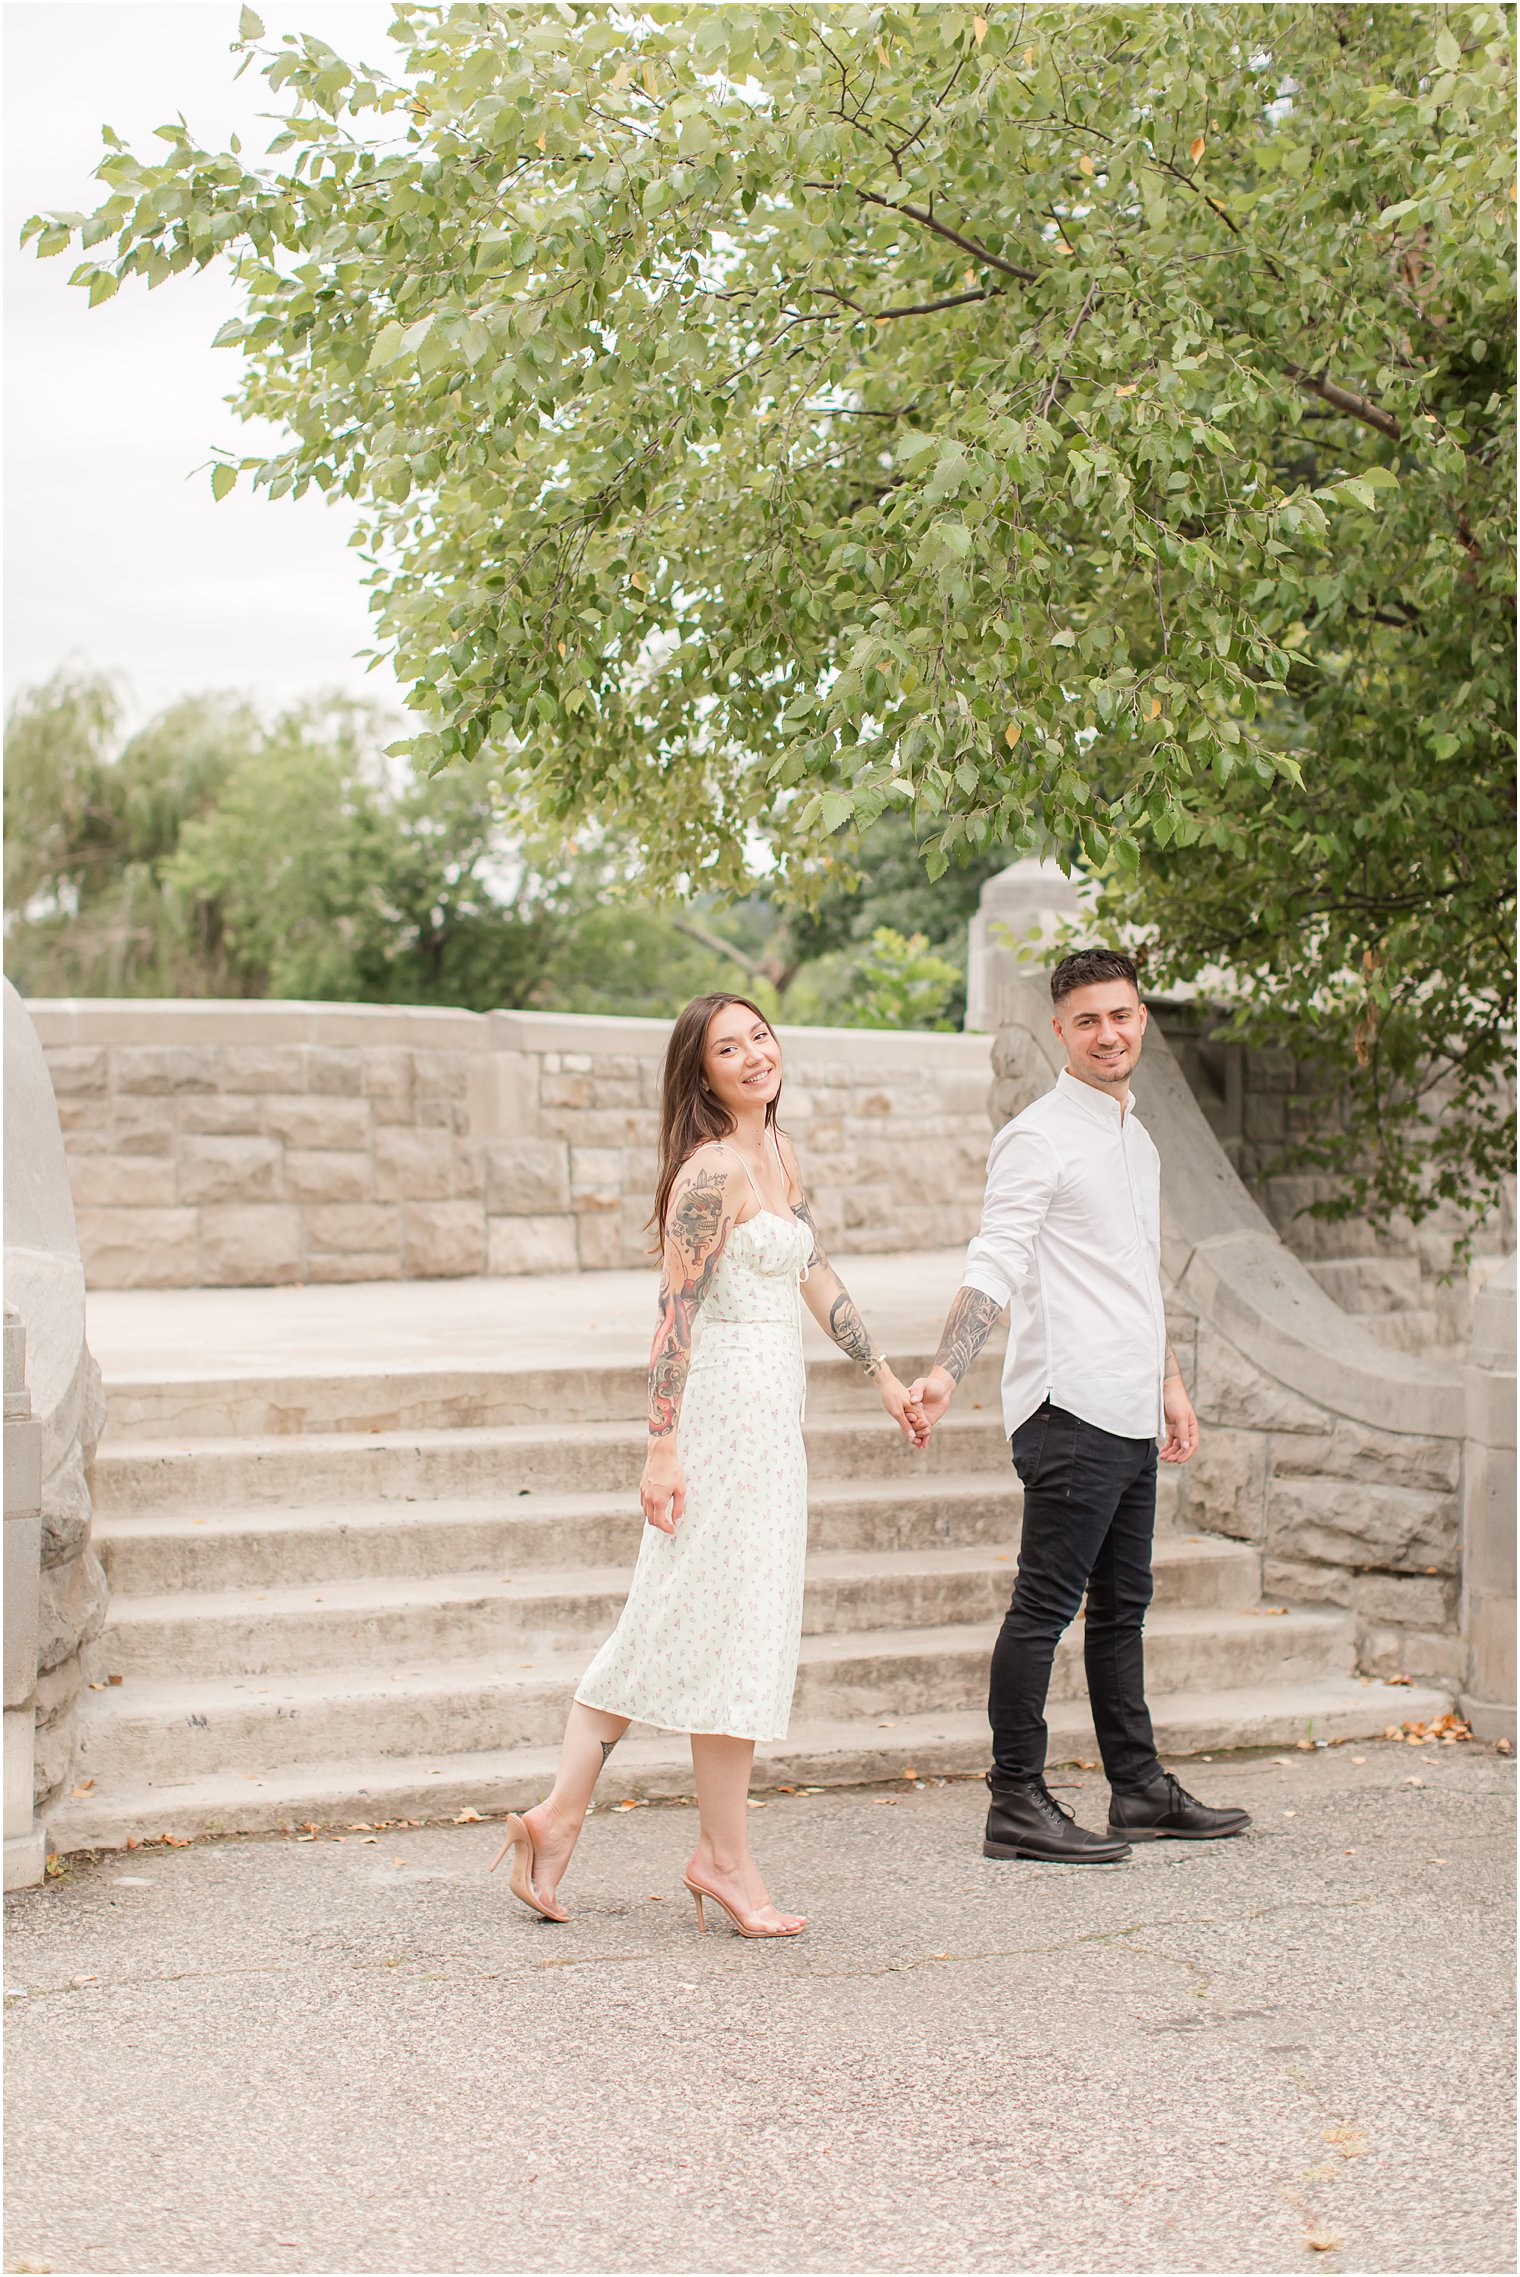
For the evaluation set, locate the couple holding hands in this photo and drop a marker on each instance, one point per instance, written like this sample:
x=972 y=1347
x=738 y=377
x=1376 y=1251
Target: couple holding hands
x=1069 y=1245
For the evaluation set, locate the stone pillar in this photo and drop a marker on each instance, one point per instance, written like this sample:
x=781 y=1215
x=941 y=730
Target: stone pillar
x=1017 y=917
x=1488 y=1513
x=24 y=1840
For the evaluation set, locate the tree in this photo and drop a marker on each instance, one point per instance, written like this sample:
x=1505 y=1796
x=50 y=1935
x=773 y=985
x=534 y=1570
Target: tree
x=211 y=854
x=90 y=822
x=1059 y=426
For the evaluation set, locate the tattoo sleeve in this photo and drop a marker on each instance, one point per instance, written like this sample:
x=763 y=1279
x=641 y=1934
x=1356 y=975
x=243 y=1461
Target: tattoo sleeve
x=695 y=1234
x=844 y=1323
x=970 y=1322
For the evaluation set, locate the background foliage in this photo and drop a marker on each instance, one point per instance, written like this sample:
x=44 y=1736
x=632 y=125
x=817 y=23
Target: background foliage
x=213 y=854
x=1079 y=429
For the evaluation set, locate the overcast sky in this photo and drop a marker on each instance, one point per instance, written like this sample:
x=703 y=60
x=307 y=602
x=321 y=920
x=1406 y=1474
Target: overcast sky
x=116 y=555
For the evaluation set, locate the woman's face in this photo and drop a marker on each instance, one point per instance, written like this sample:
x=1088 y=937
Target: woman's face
x=741 y=1059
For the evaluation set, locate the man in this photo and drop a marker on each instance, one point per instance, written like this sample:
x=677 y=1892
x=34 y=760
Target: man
x=1071 y=1240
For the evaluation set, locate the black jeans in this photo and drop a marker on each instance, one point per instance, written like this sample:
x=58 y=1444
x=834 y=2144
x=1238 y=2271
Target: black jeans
x=1089 y=1518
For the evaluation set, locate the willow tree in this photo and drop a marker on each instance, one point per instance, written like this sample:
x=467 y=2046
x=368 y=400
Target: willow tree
x=1083 y=429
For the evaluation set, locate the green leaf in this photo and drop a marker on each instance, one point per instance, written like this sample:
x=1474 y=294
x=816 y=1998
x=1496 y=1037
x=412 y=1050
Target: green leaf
x=1448 y=53
x=249 y=26
x=223 y=477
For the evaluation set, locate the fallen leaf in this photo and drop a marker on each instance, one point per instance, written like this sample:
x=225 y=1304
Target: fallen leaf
x=116 y=1680
x=656 y=1897
x=1358 y=1758
x=1412 y=1782
x=908 y=1771
x=1350 y=2141
x=1196 y=148
x=1321 y=2241
x=359 y=1826
x=83 y=1787
x=467 y=1818
x=1011 y=733
x=1290 y=1814
x=84 y=1980
x=1304 y=1746
x=371 y=1838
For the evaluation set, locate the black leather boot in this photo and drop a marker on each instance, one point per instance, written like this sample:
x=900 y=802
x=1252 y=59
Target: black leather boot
x=1026 y=1821
x=1166 y=1809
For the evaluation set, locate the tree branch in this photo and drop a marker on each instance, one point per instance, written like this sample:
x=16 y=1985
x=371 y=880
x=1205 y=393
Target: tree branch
x=1346 y=399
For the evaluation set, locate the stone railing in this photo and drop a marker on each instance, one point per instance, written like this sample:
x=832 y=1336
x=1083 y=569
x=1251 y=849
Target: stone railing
x=232 y=1144
x=55 y=1590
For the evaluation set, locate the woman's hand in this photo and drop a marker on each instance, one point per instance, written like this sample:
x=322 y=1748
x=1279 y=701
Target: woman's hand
x=662 y=1489
x=899 y=1405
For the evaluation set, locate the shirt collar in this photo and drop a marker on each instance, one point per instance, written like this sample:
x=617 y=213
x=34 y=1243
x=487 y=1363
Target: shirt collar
x=1090 y=1101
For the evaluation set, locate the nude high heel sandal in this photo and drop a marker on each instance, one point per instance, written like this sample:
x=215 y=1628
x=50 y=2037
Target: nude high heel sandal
x=745 y=1928
x=524 y=1859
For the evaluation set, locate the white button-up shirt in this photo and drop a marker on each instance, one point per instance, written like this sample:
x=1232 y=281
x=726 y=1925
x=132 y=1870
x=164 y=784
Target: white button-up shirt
x=1070 y=1242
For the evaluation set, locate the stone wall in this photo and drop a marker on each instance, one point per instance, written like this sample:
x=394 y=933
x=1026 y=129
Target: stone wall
x=54 y=1407
x=231 y=1144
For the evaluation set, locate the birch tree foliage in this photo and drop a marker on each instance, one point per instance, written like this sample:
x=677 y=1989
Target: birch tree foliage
x=767 y=416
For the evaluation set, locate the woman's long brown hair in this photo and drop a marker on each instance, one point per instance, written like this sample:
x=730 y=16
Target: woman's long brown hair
x=689 y=1114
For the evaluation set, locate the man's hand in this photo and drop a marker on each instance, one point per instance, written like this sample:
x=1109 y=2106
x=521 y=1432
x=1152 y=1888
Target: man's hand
x=1181 y=1422
x=931 y=1395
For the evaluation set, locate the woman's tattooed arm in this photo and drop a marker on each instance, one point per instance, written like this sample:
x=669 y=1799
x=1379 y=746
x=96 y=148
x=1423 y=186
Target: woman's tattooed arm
x=842 y=1321
x=970 y=1322
x=695 y=1233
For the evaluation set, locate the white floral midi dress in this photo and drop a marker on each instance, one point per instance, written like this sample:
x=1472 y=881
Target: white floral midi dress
x=708 y=1639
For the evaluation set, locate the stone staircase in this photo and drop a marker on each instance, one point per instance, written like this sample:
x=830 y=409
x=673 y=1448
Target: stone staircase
x=367 y=1595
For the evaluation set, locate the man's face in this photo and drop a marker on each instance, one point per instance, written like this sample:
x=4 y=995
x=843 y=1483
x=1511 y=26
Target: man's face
x=1102 y=1027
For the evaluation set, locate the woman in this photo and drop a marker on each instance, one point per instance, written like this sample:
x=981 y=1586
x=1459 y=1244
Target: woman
x=707 y=1642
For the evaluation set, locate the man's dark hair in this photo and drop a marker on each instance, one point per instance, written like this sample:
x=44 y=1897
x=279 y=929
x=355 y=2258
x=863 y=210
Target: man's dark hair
x=1085 y=966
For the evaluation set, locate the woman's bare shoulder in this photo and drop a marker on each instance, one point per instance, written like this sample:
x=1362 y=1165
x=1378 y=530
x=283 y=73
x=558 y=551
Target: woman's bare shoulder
x=704 y=1200
x=708 y=1168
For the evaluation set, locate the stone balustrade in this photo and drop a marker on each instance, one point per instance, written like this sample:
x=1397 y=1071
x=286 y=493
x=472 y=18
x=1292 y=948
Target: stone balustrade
x=233 y=1144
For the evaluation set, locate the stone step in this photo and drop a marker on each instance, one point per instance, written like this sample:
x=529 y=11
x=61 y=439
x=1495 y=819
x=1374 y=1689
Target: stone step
x=397 y=1621
x=365 y=1399
x=268 y=1549
x=206 y=1475
x=1370 y=1284
x=157 y=1730
x=374 y=1788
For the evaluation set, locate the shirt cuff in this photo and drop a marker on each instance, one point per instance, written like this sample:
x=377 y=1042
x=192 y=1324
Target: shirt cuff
x=987 y=1283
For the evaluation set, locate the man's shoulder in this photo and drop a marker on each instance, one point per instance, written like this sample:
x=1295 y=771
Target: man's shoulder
x=1037 y=1124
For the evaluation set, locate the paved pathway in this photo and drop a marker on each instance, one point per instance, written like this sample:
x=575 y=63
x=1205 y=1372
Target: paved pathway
x=537 y=1320
x=1281 y=2053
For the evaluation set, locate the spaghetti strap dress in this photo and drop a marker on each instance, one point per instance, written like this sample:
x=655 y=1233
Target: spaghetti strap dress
x=708 y=1638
